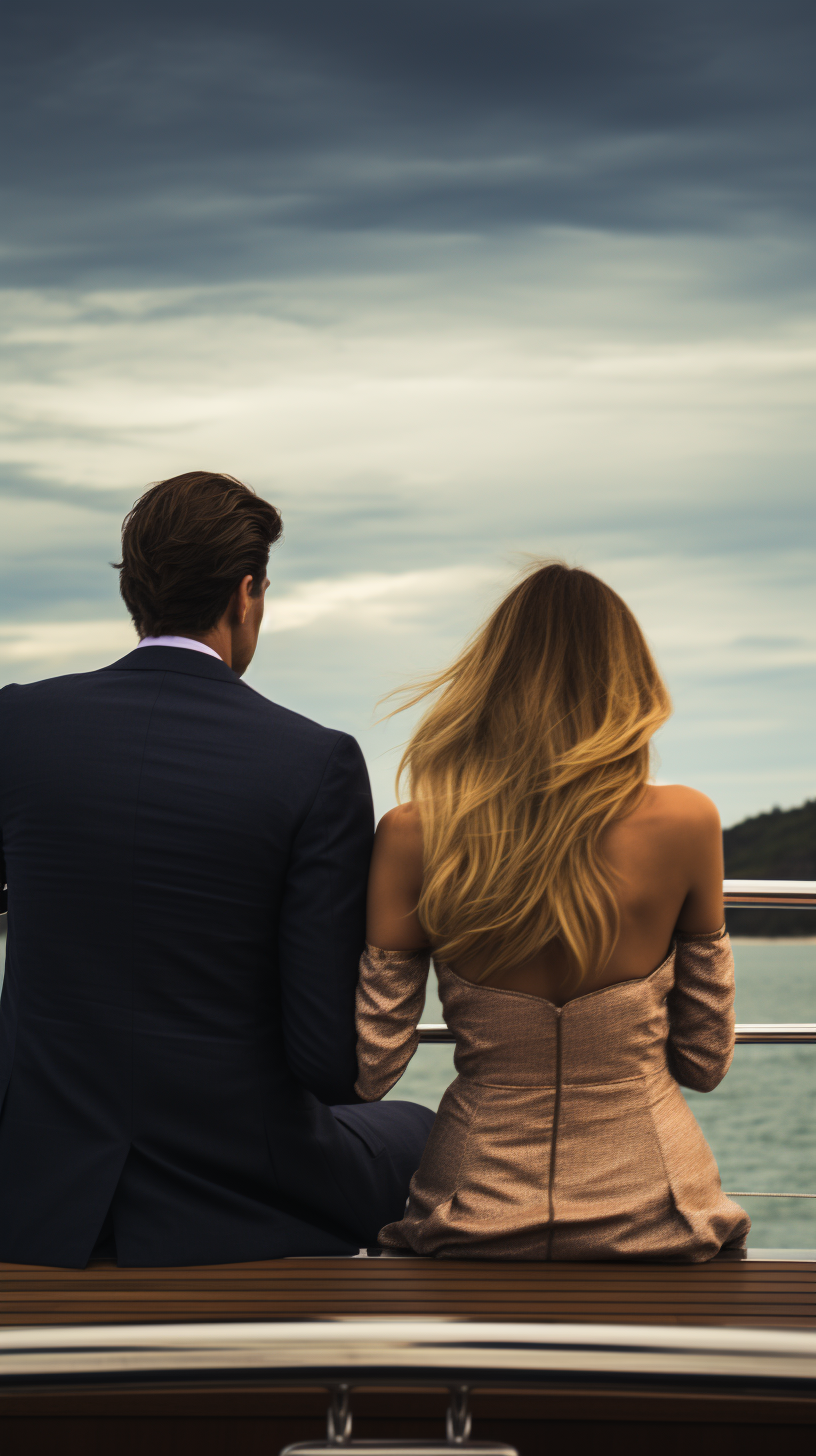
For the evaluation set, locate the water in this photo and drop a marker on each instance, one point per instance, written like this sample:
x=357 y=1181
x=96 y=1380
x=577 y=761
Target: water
x=760 y=1122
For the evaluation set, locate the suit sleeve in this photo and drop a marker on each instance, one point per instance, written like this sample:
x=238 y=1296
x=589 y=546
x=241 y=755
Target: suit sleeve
x=3 y=889
x=322 y=927
x=701 y=1011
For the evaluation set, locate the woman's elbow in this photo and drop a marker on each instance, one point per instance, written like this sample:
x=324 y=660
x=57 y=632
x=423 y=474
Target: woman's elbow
x=370 y=1088
x=700 y=1075
x=365 y=1092
x=703 y=1081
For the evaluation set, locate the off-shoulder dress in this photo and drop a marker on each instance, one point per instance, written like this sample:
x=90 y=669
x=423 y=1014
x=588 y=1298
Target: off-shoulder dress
x=565 y=1134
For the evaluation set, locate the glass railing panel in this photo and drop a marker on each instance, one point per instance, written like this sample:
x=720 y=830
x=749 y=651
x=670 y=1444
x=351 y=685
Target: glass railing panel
x=759 y=1123
x=759 y=1120
x=776 y=979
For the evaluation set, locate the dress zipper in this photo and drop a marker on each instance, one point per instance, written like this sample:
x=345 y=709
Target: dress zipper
x=554 y=1135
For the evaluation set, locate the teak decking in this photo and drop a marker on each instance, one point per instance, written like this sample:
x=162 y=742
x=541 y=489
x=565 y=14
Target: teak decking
x=759 y=1293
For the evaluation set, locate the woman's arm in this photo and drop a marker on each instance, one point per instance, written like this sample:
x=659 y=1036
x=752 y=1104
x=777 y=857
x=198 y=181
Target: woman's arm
x=701 y=1011
x=701 y=844
x=701 y=1005
x=394 y=966
x=390 y=998
x=395 y=882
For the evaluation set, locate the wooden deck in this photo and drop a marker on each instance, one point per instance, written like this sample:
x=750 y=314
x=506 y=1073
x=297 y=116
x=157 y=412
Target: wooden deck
x=766 y=1294
x=213 y=1422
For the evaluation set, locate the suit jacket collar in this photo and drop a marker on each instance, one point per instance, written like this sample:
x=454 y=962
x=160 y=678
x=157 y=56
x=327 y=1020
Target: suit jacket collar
x=175 y=659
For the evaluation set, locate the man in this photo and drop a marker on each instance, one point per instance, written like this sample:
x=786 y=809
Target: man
x=186 y=867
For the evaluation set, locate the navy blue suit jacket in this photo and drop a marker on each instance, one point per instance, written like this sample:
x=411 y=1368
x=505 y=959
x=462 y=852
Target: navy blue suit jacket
x=186 y=865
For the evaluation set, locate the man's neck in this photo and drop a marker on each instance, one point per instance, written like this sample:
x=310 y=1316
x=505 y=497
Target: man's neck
x=219 y=639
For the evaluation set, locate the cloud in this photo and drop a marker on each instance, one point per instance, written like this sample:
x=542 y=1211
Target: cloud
x=257 y=139
x=421 y=399
x=369 y=599
x=55 y=641
x=376 y=597
x=447 y=282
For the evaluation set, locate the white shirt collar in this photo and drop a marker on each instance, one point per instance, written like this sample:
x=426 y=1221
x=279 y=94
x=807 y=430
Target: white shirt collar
x=188 y=642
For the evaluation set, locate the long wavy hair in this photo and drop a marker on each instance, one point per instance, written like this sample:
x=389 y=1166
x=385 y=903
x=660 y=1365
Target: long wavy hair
x=537 y=739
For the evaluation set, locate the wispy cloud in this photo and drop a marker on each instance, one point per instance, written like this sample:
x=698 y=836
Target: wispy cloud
x=374 y=597
x=368 y=599
x=56 y=641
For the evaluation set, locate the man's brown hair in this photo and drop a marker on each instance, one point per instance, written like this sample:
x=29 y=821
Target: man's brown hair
x=187 y=544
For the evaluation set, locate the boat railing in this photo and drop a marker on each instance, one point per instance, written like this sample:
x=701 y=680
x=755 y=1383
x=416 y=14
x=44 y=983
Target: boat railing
x=413 y=1352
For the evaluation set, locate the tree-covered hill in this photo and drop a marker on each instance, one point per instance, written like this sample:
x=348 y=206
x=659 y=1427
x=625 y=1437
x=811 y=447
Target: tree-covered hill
x=780 y=845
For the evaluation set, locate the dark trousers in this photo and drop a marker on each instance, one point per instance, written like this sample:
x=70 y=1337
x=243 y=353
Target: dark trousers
x=393 y=1135
x=383 y=1141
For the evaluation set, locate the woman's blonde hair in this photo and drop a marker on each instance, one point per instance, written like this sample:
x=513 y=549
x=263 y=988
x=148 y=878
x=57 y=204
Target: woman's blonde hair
x=538 y=739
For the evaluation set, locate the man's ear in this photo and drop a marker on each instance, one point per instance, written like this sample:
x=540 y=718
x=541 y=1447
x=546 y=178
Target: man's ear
x=241 y=599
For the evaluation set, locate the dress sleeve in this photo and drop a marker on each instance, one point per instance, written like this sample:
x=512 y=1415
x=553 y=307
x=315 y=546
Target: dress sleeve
x=390 y=999
x=701 y=1010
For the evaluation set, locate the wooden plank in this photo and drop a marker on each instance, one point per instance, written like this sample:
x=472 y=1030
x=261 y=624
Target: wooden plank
x=376 y=1298
x=443 y=1286
x=260 y=1309
x=439 y=1274
x=321 y=1271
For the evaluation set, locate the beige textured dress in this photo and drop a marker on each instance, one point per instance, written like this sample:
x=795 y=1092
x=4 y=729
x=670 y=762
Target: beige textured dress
x=565 y=1134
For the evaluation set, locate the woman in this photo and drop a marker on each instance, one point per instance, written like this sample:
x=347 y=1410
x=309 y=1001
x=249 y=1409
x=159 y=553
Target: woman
x=574 y=911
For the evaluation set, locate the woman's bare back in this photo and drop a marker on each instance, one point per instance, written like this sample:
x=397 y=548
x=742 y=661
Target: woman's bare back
x=666 y=858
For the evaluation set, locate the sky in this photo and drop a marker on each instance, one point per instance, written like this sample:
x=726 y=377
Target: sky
x=452 y=284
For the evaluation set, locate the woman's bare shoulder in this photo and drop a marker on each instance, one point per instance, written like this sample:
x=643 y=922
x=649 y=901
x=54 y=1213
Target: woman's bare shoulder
x=399 y=832
x=403 y=821
x=672 y=819
x=679 y=804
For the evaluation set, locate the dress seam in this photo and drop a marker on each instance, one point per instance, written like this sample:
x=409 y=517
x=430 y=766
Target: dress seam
x=573 y=1086
x=554 y=1139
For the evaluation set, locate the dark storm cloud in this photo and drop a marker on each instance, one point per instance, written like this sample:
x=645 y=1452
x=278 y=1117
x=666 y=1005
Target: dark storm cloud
x=202 y=140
